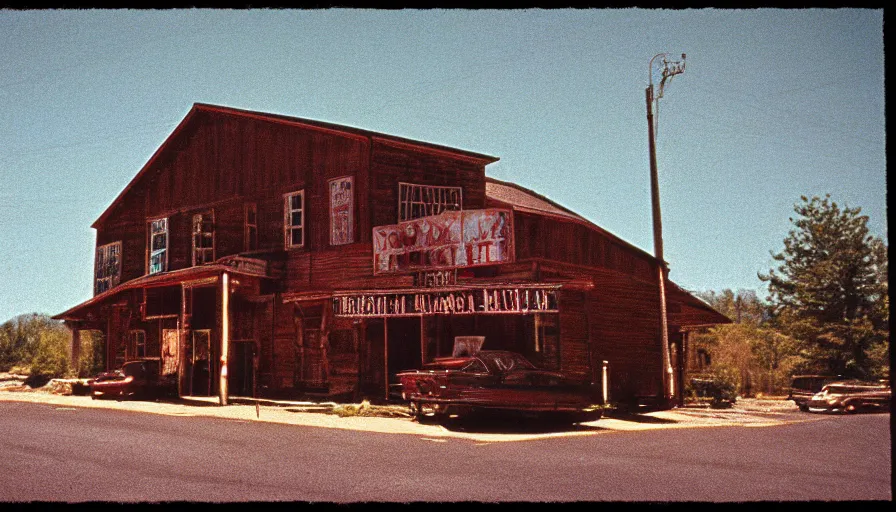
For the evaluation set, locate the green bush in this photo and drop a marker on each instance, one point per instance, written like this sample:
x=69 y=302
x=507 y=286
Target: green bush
x=36 y=342
x=719 y=387
x=51 y=359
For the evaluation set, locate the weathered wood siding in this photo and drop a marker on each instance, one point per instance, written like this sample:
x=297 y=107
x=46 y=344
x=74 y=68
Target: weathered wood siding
x=542 y=237
x=624 y=328
x=391 y=164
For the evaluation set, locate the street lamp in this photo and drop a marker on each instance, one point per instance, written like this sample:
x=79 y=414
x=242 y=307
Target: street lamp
x=670 y=69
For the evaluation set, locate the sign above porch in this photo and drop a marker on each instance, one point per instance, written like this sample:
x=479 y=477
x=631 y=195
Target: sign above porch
x=452 y=239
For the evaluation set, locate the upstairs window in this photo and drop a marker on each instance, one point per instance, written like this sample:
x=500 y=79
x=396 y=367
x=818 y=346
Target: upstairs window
x=250 y=228
x=107 y=267
x=342 y=201
x=294 y=219
x=415 y=201
x=158 y=246
x=203 y=238
x=137 y=344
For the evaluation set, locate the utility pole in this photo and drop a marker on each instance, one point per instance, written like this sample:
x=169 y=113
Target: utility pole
x=670 y=69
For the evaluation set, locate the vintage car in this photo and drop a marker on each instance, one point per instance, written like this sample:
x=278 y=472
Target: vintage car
x=497 y=380
x=804 y=387
x=138 y=379
x=851 y=396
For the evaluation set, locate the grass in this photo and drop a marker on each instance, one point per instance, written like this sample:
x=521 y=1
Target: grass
x=366 y=409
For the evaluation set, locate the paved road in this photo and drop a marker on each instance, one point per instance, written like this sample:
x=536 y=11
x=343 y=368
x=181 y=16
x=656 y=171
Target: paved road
x=52 y=453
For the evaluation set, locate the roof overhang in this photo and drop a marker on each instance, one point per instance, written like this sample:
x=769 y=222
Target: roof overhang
x=193 y=276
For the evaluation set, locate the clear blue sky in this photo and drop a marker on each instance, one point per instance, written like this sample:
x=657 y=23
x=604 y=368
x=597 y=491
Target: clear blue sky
x=774 y=104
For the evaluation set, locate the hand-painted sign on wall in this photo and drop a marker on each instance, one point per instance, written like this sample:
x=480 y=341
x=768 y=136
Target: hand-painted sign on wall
x=341 y=211
x=451 y=239
x=501 y=300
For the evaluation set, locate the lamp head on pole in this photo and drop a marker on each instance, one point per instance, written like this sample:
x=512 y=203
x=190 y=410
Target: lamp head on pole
x=670 y=68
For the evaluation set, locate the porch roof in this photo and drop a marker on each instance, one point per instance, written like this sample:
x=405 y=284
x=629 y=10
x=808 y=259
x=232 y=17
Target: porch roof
x=158 y=280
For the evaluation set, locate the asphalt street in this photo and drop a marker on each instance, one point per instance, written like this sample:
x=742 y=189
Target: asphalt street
x=53 y=453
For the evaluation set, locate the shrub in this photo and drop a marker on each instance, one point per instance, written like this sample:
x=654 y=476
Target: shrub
x=51 y=358
x=719 y=387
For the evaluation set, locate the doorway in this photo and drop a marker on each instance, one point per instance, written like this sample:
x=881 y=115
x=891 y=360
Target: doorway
x=403 y=350
x=242 y=376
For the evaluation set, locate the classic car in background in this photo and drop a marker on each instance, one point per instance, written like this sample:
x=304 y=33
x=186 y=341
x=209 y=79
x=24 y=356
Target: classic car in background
x=851 y=396
x=138 y=379
x=497 y=380
x=804 y=387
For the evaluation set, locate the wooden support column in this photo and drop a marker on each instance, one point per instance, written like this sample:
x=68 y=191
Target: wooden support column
x=422 y=342
x=325 y=341
x=225 y=337
x=386 y=353
x=182 y=343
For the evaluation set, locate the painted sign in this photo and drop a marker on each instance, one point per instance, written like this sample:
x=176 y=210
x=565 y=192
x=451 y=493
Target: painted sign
x=341 y=211
x=435 y=278
x=452 y=239
x=520 y=300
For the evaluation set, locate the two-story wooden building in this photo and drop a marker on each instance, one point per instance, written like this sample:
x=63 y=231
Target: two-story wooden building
x=260 y=253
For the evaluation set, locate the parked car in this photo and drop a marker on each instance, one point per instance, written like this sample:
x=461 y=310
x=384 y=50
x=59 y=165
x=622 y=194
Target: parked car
x=851 y=396
x=497 y=380
x=804 y=387
x=138 y=379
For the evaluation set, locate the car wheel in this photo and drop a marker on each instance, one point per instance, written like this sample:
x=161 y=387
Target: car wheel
x=849 y=409
x=416 y=410
x=804 y=407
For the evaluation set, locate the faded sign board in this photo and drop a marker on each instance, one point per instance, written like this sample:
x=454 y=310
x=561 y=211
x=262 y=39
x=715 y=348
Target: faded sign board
x=496 y=300
x=452 y=239
x=341 y=210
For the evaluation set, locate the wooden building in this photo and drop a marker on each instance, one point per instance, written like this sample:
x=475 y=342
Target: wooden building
x=263 y=254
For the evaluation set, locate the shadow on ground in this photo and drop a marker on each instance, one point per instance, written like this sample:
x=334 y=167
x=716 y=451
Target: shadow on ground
x=637 y=418
x=183 y=401
x=483 y=423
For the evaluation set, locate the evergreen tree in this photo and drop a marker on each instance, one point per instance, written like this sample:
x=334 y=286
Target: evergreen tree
x=830 y=289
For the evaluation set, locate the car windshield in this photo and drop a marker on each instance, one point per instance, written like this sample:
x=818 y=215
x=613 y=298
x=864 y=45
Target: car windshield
x=134 y=369
x=506 y=361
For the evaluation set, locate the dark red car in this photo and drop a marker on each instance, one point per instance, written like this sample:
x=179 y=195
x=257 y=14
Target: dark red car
x=138 y=379
x=500 y=381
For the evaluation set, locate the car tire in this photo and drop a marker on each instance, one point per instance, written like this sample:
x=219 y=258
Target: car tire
x=416 y=410
x=804 y=407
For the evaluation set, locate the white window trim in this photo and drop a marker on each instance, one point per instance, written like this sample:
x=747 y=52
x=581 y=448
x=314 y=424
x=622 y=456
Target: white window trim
x=211 y=215
x=149 y=245
x=287 y=216
x=246 y=225
x=435 y=191
x=113 y=280
x=134 y=344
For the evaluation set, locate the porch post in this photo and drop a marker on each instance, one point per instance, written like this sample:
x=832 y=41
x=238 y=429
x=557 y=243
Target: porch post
x=225 y=336
x=386 y=353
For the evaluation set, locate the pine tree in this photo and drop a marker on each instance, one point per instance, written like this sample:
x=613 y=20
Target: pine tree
x=830 y=289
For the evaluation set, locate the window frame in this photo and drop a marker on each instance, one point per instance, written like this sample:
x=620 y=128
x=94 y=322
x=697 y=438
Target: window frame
x=247 y=227
x=134 y=344
x=114 y=280
x=406 y=192
x=288 y=227
x=201 y=216
x=350 y=238
x=149 y=249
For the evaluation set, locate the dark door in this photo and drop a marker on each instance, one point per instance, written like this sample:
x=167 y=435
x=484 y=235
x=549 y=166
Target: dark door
x=241 y=368
x=403 y=349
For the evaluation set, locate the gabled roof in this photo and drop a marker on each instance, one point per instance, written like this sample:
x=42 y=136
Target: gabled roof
x=524 y=200
x=296 y=122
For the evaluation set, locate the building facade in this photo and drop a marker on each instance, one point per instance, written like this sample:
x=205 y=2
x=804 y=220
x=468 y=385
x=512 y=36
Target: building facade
x=264 y=255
